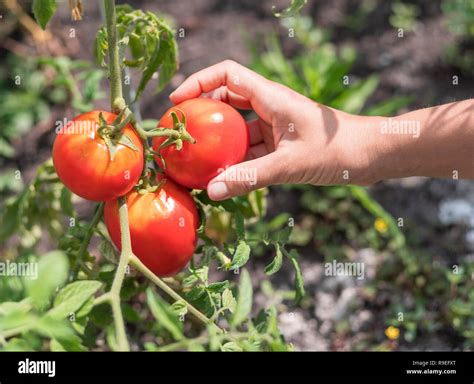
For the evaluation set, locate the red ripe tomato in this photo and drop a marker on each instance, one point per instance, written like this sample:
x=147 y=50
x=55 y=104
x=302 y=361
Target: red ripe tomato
x=83 y=163
x=163 y=227
x=222 y=140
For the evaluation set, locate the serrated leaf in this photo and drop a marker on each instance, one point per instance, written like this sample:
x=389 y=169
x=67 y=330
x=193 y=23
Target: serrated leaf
x=72 y=297
x=241 y=255
x=244 y=299
x=277 y=262
x=164 y=316
x=228 y=300
x=189 y=281
x=43 y=10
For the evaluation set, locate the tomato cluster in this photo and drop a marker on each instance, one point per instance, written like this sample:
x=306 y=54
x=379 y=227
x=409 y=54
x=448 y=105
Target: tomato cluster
x=100 y=163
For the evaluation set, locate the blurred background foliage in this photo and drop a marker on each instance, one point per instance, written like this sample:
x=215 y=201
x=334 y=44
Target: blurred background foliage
x=418 y=297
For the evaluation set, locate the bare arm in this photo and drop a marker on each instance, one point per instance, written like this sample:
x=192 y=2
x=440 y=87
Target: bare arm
x=295 y=140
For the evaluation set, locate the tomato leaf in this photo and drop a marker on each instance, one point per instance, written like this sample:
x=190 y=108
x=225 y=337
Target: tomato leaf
x=52 y=273
x=298 y=281
x=72 y=297
x=66 y=203
x=241 y=255
x=228 y=300
x=244 y=299
x=239 y=224
x=43 y=10
x=277 y=262
x=164 y=315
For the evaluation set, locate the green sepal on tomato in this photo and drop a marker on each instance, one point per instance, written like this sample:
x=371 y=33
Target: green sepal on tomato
x=222 y=140
x=84 y=163
x=163 y=226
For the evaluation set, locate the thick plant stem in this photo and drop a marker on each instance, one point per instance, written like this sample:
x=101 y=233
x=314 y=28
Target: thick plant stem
x=114 y=293
x=135 y=261
x=116 y=98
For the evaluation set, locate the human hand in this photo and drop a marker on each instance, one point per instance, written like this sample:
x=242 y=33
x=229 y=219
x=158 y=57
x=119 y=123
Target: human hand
x=293 y=140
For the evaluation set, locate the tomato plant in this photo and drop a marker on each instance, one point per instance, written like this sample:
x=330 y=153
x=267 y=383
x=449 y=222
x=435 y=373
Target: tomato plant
x=91 y=164
x=222 y=140
x=163 y=226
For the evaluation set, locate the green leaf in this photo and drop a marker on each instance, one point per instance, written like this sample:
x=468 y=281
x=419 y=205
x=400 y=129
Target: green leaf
x=18 y=345
x=107 y=250
x=277 y=262
x=231 y=346
x=241 y=255
x=66 y=203
x=228 y=300
x=54 y=328
x=218 y=286
x=72 y=297
x=43 y=10
x=165 y=317
x=11 y=219
x=298 y=282
x=52 y=273
x=72 y=344
x=15 y=315
x=239 y=224
x=179 y=307
x=244 y=300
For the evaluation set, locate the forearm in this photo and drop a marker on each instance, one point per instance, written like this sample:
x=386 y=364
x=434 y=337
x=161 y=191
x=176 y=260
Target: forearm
x=433 y=142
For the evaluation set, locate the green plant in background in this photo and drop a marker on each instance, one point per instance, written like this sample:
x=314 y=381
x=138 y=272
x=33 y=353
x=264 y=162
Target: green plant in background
x=459 y=15
x=404 y=15
x=29 y=89
x=330 y=218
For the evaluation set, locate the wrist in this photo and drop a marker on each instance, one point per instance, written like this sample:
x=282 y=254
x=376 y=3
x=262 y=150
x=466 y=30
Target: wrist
x=361 y=149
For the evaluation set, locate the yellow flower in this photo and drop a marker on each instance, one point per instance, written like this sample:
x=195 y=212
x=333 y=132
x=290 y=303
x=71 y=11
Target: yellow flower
x=392 y=333
x=381 y=225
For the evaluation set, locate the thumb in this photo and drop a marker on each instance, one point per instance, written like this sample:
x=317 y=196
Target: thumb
x=245 y=177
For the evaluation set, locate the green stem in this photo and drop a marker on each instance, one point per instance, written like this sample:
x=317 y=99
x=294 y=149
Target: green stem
x=115 y=77
x=114 y=293
x=87 y=238
x=135 y=261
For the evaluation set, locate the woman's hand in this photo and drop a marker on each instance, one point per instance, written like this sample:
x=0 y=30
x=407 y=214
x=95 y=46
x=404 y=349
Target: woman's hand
x=293 y=139
x=296 y=140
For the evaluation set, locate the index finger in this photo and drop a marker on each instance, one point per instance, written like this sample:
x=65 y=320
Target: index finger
x=238 y=79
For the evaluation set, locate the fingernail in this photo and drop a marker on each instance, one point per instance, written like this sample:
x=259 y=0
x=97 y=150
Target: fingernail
x=218 y=190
